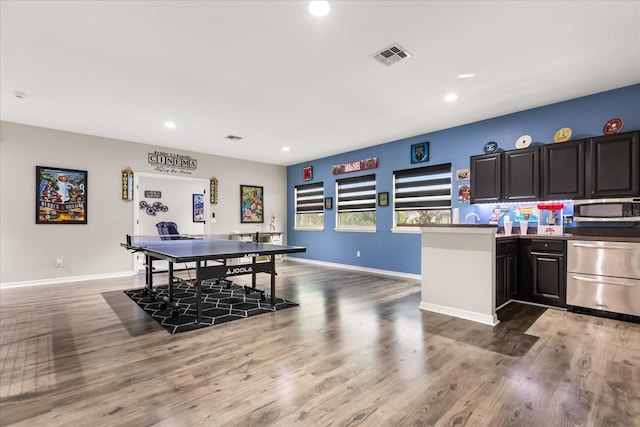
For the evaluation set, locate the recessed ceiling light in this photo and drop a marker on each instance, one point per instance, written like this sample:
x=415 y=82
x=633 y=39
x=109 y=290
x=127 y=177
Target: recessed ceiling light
x=451 y=97
x=319 y=8
x=285 y=148
x=169 y=125
x=466 y=76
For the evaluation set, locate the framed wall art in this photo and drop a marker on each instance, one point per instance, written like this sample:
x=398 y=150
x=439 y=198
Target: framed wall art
x=213 y=190
x=198 y=207
x=383 y=199
x=420 y=152
x=328 y=203
x=251 y=204
x=307 y=173
x=61 y=196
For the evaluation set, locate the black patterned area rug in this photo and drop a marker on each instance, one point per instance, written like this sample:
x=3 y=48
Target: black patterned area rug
x=221 y=303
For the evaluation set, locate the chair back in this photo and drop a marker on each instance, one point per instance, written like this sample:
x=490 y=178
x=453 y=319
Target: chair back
x=168 y=230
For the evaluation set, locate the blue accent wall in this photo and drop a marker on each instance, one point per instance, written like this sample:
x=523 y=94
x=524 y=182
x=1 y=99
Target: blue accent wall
x=400 y=252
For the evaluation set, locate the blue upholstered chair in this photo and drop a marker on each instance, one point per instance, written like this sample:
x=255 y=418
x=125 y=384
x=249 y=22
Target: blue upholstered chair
x=168 y=230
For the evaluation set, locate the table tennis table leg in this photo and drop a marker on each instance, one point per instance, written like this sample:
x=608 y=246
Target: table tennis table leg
x=149 y=277
x=273 y=280
x=198 y=292
x=170 y=282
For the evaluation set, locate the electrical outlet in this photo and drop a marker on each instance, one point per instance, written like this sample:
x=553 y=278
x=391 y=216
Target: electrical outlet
x=58 y=262
x=358 y=254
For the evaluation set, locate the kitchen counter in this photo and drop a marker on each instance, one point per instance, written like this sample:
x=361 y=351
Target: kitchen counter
x=458 y=271
x=568 y=236
x=611 y=234
x=459 y=264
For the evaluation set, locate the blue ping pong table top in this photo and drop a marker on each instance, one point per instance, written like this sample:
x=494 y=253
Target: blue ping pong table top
x=185 y=248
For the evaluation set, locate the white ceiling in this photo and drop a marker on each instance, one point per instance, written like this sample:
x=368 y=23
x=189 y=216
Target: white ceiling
x=272 y=73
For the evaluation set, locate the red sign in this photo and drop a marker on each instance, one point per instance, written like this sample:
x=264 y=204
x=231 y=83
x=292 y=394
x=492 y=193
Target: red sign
x=356 y=166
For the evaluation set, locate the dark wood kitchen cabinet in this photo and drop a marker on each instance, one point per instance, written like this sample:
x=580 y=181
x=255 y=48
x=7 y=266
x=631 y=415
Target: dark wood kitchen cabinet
x=506 y=269
x=509 y=176
x=548 y=272
x=613 y=165
x=563 y=168
x=486 y=178
x=521 y=175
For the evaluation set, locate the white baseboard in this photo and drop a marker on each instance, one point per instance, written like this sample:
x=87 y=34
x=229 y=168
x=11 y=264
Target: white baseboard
x=486 y=319
x=358 y=268
x=57 y=280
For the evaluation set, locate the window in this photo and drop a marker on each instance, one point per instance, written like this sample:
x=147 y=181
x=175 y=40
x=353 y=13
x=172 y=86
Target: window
x=422 y=195
x=356 y=206
x=309 y=201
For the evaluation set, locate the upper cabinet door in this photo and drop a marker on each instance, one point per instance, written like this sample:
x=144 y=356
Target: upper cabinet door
x=521 y=175
x=563 y=170
x=613 y=165
x=486 y=177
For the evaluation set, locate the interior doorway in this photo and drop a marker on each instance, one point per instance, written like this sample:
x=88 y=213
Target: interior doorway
x=157 y=198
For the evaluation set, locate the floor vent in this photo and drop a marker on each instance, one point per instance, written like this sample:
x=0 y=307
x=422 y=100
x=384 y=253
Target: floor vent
x=391 y=55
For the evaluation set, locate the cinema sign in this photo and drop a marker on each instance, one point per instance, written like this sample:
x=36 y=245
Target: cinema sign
x=172 y=163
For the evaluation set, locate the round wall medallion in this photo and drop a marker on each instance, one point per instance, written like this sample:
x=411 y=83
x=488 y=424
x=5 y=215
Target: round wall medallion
x=612 y=126
x=562 y=135
x=523 y=142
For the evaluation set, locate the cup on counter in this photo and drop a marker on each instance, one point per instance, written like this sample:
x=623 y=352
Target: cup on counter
x=507 y=228
x=524 y=225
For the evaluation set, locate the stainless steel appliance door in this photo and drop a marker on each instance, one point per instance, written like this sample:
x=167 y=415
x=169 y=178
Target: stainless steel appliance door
x=604 y=293
x=619 y=259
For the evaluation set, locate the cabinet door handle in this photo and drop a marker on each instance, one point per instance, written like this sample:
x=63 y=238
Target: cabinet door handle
x=587 y=245
x=606 y=282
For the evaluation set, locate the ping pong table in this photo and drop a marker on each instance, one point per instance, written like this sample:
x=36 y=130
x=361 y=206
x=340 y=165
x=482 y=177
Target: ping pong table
x=201 y=250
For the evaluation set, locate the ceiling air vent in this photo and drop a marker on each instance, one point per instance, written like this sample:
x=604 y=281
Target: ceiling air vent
x=391 y=55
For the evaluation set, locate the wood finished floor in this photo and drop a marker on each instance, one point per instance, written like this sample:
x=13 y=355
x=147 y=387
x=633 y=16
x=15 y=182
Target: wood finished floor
x=357 y=351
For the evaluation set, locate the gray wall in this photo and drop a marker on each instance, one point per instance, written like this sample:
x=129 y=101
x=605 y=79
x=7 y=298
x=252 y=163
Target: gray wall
x=28 y=251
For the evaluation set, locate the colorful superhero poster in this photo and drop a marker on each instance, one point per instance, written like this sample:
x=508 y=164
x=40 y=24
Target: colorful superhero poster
x=251 y=208
x=61 y=196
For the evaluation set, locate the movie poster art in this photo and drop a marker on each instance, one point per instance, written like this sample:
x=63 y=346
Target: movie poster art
x=61 y=196
x=251 y=204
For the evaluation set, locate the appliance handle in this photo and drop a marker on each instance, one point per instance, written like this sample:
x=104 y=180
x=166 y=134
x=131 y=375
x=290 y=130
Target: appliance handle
x=607 y=282
x=588 y=245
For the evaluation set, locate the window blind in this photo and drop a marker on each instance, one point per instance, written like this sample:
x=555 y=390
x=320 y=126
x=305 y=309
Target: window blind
x=310 y=198
x=356 y=194
x=423 y=188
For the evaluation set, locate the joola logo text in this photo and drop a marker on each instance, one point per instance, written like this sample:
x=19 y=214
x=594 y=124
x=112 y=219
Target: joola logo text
x=239 y=270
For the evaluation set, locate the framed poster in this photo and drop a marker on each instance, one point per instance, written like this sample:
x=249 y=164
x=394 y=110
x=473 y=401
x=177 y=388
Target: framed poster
x=328 y=203
x=251 y=204
x=463 y=174
x=307 y=173
x=383 y=199
x=198 y=207
x=420 y=152
x=61 y=196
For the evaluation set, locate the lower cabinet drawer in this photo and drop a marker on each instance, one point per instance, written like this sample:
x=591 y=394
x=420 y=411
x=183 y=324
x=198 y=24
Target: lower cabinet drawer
x=613 y=294
x=548 y=245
